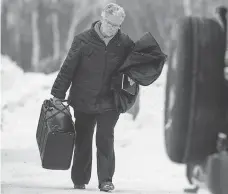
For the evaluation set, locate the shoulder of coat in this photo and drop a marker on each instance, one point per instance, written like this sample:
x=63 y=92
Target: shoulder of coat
x=83 y=36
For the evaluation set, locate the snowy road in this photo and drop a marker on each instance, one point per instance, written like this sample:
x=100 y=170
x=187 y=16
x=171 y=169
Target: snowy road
x=142 y=166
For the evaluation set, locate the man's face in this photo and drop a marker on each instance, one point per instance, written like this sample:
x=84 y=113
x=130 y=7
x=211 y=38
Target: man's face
x=111 y=24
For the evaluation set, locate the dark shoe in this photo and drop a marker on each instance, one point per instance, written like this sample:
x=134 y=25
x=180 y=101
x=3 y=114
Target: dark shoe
x=79 y=186
x=106 y=186
x=191 y=190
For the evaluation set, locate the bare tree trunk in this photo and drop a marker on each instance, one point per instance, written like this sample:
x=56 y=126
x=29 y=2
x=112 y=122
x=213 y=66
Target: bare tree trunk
x=4 y=30
x=56 y=36
x=74 y=23
x=204 y=8
x=79 y=14
x=187 y=4
x=36 y=41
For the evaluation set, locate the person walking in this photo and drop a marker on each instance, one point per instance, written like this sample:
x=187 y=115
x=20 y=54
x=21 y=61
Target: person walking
x=94 y=57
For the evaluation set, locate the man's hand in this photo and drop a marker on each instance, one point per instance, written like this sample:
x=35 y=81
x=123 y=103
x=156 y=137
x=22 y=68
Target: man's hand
x=54 y=98
x=57 y=99
x=131 y=81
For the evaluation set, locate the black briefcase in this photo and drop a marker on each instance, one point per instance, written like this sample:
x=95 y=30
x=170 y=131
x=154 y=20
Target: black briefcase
x=55 y=135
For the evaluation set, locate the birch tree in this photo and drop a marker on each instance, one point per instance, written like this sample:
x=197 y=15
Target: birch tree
x=54 y=20
x=80 y=11
x=35 y=40
x=187 y=4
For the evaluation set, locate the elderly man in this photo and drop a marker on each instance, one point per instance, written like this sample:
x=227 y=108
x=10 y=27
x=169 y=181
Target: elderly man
x=94 y=57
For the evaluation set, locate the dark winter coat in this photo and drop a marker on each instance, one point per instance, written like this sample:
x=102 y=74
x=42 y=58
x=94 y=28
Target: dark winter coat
x=89 y=67
x=143 y=65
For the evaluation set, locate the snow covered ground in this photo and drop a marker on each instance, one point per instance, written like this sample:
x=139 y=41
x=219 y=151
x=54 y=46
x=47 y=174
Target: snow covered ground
x=142 y=166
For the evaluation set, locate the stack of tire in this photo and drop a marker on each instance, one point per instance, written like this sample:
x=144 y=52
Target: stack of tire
x=196 y=94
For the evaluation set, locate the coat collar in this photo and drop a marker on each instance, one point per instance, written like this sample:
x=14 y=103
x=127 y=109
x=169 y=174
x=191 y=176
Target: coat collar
x=97 y=40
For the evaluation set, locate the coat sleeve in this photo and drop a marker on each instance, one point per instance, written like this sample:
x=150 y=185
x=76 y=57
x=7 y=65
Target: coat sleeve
x=67 y=71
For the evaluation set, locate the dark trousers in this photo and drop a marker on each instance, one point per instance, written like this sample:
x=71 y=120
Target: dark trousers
x=82 y=161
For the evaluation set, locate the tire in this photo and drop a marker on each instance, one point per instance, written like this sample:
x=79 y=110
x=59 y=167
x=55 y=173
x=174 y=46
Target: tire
x=194 y=105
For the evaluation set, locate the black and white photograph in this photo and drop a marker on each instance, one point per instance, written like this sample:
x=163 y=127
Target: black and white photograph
x=114 y=96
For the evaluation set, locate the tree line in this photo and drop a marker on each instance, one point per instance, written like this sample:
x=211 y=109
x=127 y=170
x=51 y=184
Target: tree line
x=38 y=33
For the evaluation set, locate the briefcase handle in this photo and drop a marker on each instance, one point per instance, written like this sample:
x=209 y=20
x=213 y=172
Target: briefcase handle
x=51 y=106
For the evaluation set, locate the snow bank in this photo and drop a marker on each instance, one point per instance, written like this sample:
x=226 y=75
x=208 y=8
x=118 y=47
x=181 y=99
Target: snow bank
x=22 y=102
x=10 y=72
x=22 y=96
x=24 y=93
x=18 y=87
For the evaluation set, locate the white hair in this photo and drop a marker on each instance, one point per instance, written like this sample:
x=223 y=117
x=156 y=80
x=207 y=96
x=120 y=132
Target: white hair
x=113 y=9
